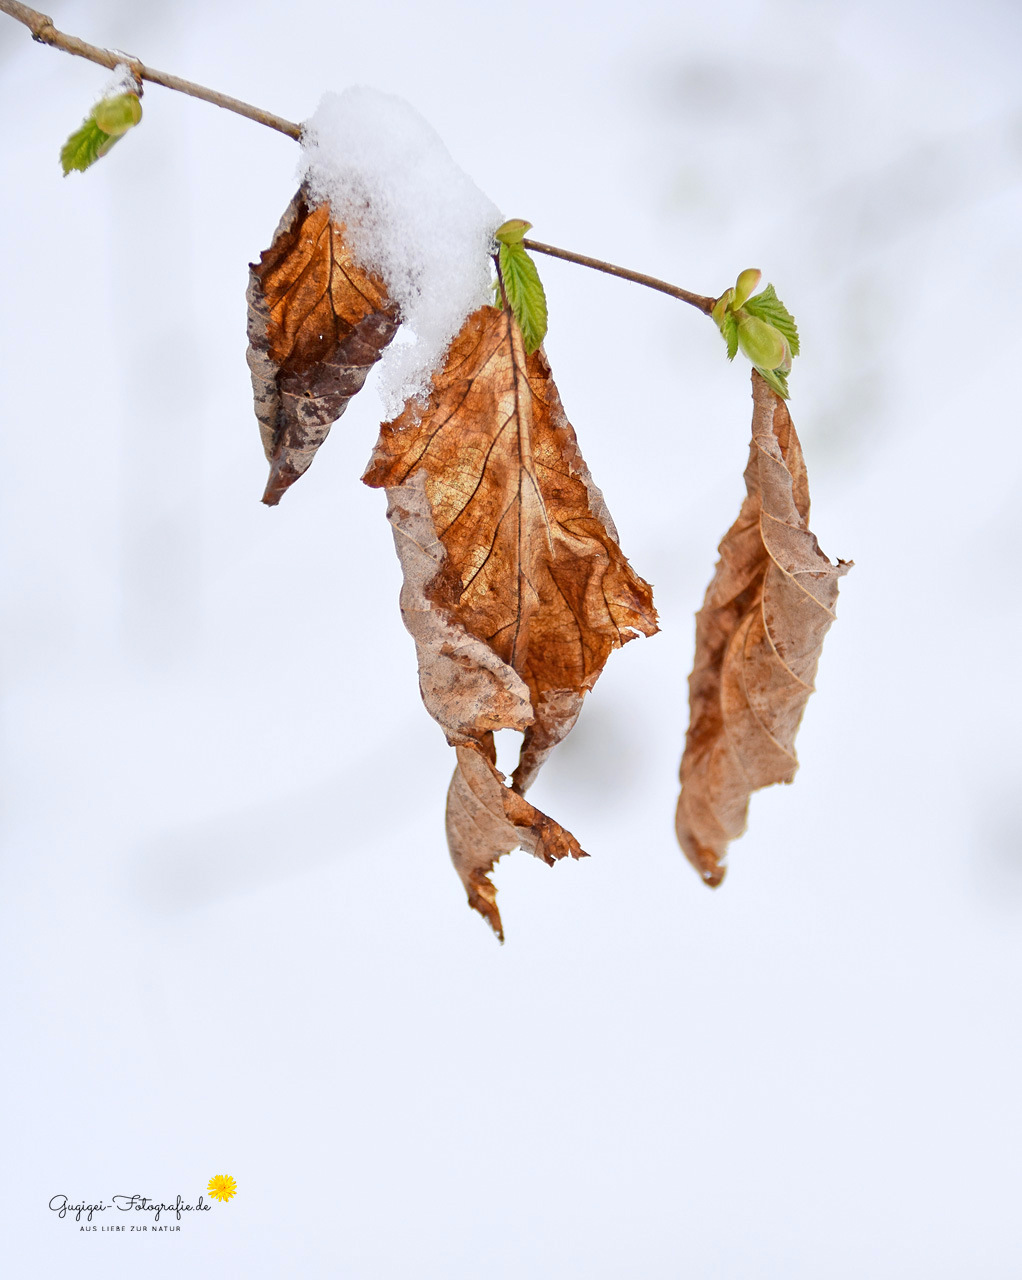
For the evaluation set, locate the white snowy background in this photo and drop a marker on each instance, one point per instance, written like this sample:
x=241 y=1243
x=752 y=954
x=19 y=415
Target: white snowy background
x=232 y=939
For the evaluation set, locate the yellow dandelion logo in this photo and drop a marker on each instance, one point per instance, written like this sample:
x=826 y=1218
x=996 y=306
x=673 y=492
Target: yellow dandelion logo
x=222 y=1187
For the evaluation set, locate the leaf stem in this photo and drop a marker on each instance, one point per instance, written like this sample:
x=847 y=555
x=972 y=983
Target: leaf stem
x=500 y=281
x=45 y=32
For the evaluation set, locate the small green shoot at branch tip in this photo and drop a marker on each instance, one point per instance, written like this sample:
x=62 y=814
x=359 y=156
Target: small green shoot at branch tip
x=105 y=124
x=522 y=284
x=760 y=326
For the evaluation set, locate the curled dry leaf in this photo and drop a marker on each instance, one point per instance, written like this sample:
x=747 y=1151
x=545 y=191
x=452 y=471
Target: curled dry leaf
x=515 y=588
x=317 y=323
x=758 y=641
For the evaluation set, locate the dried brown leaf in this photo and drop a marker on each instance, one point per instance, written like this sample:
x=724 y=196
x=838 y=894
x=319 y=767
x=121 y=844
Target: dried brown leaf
x=515 y=588
x=758 y=641
x=317 y=323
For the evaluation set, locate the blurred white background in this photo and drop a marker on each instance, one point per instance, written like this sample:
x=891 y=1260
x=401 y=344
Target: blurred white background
x=232 y=939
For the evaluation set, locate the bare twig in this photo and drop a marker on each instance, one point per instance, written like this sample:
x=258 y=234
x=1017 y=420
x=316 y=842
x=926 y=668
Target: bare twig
x=45 y=32
x=651 y=282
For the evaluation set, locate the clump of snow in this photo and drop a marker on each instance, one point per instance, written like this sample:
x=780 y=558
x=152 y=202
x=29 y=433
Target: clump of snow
x=123 y=82
x=411 y=215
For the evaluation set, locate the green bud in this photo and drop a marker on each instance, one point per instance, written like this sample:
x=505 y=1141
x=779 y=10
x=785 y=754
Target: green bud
x=764 y=345
x=721 y=306
x=746 y=284
x=512 y=232
x=116 y=116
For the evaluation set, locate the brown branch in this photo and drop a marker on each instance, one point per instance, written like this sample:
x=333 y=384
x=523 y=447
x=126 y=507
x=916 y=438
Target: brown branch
x=45 y=32
x=651 y=282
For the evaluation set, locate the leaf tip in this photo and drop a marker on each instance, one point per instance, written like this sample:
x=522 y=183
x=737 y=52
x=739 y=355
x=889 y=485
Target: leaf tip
x=281 y=479
x=705 y=860
x=482 y=897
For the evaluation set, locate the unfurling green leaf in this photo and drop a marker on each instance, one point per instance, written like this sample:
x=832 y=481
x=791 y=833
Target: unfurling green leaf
x=524 y=293
x=768 y=306
x=84 y=147
x=105 y=124
x=729 y=328
x=762 y=326
x=725 y=321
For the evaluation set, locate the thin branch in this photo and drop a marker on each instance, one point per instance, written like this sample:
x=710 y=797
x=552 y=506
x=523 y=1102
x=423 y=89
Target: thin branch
x=651 y=282
x=45 y=32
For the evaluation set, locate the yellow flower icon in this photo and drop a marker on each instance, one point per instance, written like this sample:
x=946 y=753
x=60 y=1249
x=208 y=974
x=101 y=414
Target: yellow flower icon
x=222 y=1187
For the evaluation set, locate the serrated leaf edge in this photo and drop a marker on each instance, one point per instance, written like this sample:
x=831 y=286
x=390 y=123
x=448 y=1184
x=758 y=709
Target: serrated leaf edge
x=84 y=147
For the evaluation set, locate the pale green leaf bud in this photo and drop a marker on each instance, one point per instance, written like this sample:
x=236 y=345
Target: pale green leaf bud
x=117 y=115
x=762 y=343
x=512 y=232
x=746 y=285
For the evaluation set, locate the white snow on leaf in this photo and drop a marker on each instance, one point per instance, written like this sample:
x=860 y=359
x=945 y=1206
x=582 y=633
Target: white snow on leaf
x=411 y=214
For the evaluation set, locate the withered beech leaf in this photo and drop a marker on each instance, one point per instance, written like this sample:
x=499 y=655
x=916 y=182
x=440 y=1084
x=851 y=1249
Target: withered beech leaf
x=515 y=588
x=317 y=323
x=758 y=641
